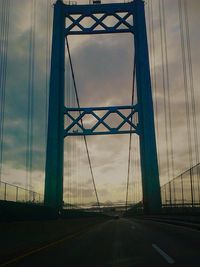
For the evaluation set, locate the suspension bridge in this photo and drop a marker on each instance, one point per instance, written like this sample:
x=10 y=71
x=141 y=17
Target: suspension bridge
x=100 y=110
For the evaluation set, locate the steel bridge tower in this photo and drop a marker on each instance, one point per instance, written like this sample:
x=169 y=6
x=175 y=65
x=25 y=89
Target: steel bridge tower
x=121 y=12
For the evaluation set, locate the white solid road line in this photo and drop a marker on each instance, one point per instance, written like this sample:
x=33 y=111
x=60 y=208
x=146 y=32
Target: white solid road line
x=163 y=254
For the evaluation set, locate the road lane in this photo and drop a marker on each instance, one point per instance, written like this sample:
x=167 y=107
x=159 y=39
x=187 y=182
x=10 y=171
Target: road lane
x=163 y=254
x=123 y=243
x=181 y=243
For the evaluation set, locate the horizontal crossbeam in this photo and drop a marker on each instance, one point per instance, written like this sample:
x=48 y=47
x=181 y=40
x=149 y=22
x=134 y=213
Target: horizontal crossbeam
x=96 y=9
x=100 y=120
x=99 y=19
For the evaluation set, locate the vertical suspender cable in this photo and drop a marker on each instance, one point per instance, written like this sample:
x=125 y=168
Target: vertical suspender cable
x=167 y=98
x=191 y=83
x=32 y=92
x=154 y=76
x=2 y=89
x=31 y=75
x=185 y=79
x=153 y=71
x=3 y=71
x=168 y=95
x=28 y=111
x=2 y=35
x=191 y=78
x=185 y=82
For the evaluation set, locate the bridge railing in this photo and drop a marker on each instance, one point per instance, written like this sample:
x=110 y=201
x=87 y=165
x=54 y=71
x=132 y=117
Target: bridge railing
x=183 y=190
x=10 y=192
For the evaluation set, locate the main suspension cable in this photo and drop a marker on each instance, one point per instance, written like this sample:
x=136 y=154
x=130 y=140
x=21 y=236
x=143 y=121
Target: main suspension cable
x=165 y=88
x=85 y=140
x=130 y=136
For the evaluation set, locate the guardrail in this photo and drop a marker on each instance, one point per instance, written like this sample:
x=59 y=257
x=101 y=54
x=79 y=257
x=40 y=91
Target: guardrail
x=10 y=192
x=183 y=190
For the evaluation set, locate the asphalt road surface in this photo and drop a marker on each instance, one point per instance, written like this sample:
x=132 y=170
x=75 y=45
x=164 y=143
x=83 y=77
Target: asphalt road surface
x=120 y=243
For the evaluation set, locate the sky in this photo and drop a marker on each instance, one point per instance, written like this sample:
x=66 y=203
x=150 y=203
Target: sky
x=103 y=67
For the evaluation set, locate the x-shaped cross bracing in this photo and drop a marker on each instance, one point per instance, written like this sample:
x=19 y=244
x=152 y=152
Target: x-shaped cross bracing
x=77 y=128
x=77 y=25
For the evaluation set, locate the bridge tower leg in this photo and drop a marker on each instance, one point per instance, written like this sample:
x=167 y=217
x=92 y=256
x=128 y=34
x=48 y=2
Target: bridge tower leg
x=148 y=152
x=54 y=155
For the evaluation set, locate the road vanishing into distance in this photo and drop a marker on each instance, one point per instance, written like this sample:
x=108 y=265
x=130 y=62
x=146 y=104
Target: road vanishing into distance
x=120 y=243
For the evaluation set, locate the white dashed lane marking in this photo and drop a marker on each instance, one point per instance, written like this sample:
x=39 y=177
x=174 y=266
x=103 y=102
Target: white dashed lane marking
x=163 y=254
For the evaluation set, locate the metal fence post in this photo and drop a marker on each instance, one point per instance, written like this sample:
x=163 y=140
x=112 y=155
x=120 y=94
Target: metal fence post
x=170 y=194
x=174 y=192
x=17 y=193
x=165 y=195
x=5 y=191
x=182 y=189
x=198 y=180
x=191 y=185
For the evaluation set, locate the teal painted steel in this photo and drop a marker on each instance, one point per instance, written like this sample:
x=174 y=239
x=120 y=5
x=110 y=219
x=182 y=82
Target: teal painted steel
x=146 y=129
x=148 y=152
x=54 y=154
x=120 y=13
x=77 y=115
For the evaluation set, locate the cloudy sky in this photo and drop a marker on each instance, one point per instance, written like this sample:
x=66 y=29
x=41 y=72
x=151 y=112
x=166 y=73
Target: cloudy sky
x=103 y=68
